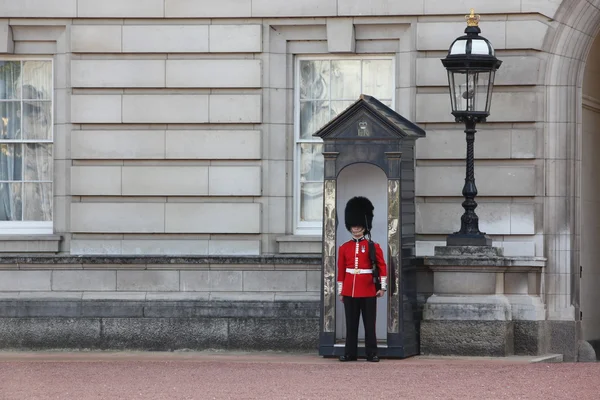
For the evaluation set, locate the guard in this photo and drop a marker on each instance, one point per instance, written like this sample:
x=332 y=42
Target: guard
x=362 y=277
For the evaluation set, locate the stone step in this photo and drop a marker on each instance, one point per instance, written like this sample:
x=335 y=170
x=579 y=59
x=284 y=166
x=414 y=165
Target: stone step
x=548 y=358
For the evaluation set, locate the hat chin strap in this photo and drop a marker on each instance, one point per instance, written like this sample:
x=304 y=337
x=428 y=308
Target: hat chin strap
x=367 y=232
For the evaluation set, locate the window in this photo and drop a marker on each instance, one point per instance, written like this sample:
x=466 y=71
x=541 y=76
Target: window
x=26 y=162
x=325 y=88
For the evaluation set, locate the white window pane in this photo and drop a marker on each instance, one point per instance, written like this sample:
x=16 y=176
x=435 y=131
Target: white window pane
x=37 y=120
x=345 y=80
x=313 y=115
x=325 y=89
x=11 y=162
x=38 y=202
x=338 y=107
x=314 y=79
x=37 y=80
x=10 y=120
x=461 y=85
x=311 y=162
x=10 y=72
x=378 y=78
x=38 y=162
x=11 y=204
x=26 y=169
x=311 y=182
x=311 y=202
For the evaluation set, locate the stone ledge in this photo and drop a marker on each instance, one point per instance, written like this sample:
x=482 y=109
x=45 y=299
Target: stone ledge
x=468 y=251
x=300 y=244
x=490 y=264
x=161 y=260
x=300 y=238
x=29 y=243
x=160 y=296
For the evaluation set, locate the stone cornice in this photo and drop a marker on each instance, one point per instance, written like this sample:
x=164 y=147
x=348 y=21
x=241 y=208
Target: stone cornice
x=483 y=264
x=159 y=262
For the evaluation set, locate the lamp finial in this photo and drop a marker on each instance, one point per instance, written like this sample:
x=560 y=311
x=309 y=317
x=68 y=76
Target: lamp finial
x=472 y=19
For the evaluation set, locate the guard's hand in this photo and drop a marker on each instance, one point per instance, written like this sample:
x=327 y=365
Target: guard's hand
x=341 y=298
x=380 y=293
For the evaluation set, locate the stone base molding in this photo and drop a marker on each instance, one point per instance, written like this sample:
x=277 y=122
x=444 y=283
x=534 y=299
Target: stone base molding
x=19 y=244
x=167 y=325
x=160 y=303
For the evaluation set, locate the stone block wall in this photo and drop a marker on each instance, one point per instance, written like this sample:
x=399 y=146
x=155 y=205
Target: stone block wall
x=160 y=303
x=173 y=122
x=158 y=324
x=174 y=119
x=164 y=140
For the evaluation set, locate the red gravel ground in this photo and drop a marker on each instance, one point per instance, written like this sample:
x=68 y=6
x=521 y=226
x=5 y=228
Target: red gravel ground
x=91 y=375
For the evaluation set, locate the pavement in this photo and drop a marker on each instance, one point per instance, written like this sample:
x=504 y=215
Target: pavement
x=87 y=375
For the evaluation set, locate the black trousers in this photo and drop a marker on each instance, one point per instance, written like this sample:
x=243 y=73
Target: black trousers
x=354 y=307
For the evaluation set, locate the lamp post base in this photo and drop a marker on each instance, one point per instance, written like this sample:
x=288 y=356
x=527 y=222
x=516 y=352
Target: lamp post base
x=465 y=239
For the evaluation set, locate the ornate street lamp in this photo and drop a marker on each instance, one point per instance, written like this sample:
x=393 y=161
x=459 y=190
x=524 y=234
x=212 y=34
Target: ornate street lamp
x=471 y=66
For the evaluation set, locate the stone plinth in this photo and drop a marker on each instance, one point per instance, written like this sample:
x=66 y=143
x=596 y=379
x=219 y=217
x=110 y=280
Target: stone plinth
x=160 y=302
x=483 y=303
x=472 y=338
x=157 y=322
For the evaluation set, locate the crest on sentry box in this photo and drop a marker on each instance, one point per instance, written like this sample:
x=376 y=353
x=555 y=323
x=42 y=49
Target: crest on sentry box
x=369 y=119
x=363 y=128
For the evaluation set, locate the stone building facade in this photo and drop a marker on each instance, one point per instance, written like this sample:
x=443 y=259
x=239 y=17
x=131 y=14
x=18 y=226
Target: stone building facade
x=160 y=151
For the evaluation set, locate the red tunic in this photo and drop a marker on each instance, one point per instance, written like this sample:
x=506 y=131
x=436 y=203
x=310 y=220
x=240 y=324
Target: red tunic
x=359 y=285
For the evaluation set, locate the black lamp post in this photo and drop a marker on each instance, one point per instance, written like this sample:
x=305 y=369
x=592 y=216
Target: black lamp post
x=471 y=66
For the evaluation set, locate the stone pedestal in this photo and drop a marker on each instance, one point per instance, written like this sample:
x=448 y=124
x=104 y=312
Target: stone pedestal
x=483 y=303
x=476 y=325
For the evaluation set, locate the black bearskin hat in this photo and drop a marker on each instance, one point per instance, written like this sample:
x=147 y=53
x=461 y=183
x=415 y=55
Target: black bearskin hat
x=359 y=212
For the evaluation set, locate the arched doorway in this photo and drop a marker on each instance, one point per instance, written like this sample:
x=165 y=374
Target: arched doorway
x=589 y=285
x=571 y=218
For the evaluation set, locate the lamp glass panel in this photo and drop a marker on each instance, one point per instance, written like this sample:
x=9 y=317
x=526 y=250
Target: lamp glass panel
x=492 y=75
x=470 y=90
x=481 y=85
x=452 y=90
x=458 y=86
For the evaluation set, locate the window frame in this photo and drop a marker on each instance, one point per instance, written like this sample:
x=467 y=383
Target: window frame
x=315 y=228
x=35 y=227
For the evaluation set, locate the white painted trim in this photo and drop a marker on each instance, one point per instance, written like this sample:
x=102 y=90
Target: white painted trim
x=33 y=227
x=26 y=227
x=315 y=228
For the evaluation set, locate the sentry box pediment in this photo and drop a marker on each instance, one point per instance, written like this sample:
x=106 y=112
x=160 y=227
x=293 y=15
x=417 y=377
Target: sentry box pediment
x=368 y=134
x=369 y=119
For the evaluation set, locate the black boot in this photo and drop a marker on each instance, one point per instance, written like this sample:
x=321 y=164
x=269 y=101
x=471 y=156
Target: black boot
x=346 y=357
x=373 y=358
